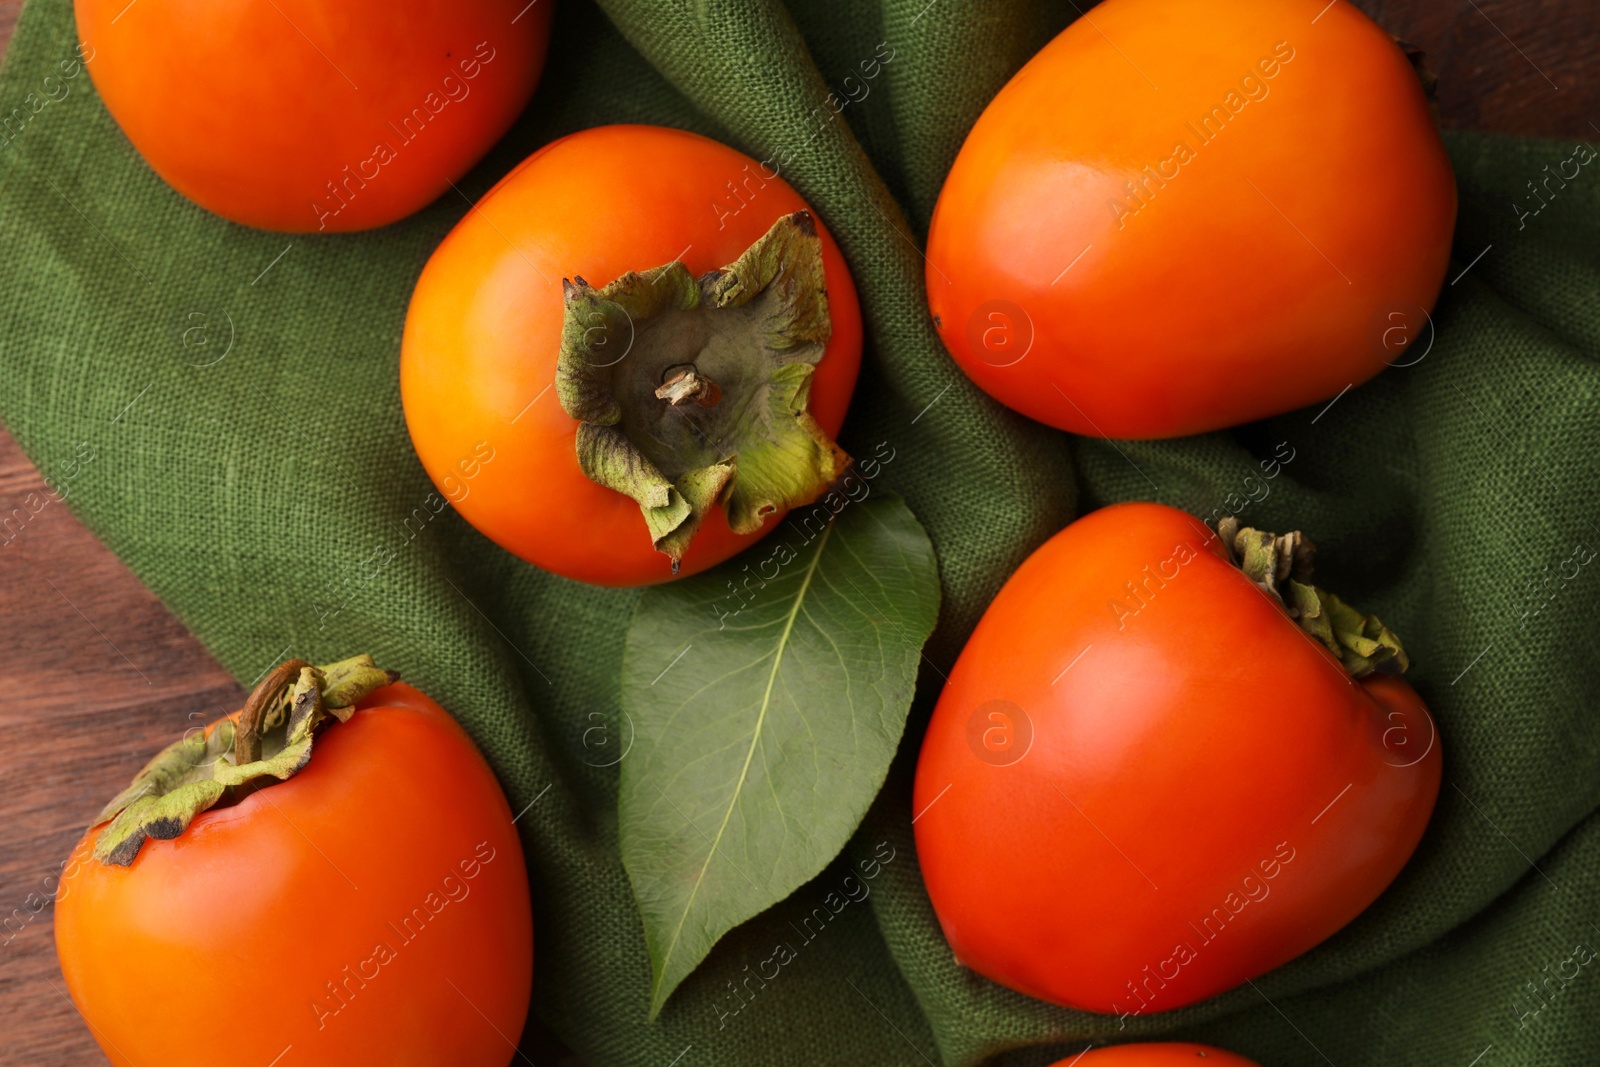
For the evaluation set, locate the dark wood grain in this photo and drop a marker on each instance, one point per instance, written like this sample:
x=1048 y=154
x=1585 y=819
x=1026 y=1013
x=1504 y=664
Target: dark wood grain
x=83 y=645
x=1514 y=66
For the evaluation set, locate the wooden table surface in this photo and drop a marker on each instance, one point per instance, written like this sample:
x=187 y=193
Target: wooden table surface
x=83 y=644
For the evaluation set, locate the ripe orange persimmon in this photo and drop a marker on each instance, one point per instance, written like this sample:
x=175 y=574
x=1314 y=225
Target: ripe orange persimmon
x=371 y=908
x=1183 y=215
x=655 y=341
x=1150 y=778
x=305 y=116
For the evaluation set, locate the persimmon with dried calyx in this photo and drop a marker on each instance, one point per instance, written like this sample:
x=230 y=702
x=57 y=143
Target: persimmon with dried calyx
x=1165 y=763
x=659 y=367
x=333 y=869
x=1267 y=228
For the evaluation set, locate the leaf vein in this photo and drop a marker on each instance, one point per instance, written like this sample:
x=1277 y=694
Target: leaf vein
x=738 y=787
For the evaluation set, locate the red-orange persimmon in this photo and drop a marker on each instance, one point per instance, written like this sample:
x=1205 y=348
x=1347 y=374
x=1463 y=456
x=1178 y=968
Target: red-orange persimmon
x=306 y=116
x=373 y=908
x=1157 y=1054
x=1145 y=783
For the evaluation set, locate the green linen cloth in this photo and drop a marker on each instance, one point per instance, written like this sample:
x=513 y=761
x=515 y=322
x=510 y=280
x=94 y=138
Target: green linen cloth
x=264 y=497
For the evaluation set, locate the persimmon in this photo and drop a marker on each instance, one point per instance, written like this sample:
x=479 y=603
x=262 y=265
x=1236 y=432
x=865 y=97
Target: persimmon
x=302 y=116
x=1156 y=1054
x=656 y=339
x=1165 y=763
x=1183 y=215
x=330 y=875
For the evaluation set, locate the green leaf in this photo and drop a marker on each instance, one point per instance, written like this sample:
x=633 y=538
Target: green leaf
x=766 y=718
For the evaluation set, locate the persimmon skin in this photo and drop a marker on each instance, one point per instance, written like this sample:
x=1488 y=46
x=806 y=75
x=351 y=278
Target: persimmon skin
x=482 y=336
x=1257 y=277
x=220 y=943
x=1157 y=1054
x=268 y=112
x=1185 y=756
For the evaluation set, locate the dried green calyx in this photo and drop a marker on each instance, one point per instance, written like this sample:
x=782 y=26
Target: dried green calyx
x=1281 y=567
x=272 y=739
x=694 y=392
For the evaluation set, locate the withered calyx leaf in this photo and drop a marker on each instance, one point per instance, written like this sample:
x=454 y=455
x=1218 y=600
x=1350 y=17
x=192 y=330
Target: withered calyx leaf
x=273 y=736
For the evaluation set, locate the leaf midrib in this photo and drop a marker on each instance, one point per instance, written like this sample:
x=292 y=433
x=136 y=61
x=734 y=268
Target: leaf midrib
x=755 y=736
